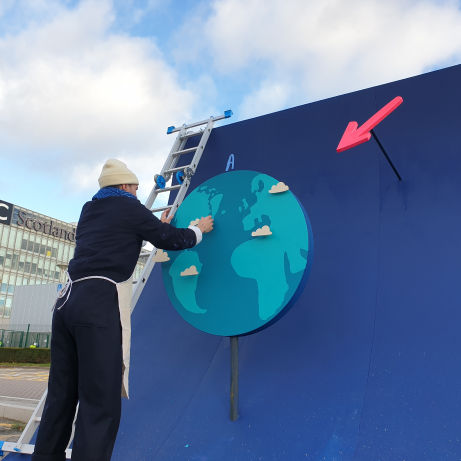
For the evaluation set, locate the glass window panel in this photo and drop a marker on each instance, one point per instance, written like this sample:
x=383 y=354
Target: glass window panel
x=22 y=259
x=19 y=234
x=19 y=280
x=33 y=268
x=40 y=272
x=60 y=250
x=5 y=235
x=14 y=261
x=12 y=237
x=8 y=260
x=10 y=289
x=24 y=243
x=7 y=312
x=36 y=247
x=27 y=266
x=48 y=251
x=30 y=245
x=3 y=287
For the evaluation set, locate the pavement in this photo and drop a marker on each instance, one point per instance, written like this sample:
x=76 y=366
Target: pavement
x=20 y=391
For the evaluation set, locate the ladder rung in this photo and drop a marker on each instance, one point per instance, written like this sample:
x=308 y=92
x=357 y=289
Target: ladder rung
x=154 y=210
x=173 y=170
x=166 y=189
x=185 y=151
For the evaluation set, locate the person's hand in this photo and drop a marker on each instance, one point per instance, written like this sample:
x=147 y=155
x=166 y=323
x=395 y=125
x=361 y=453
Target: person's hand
x=206 y=224
x=165 y=216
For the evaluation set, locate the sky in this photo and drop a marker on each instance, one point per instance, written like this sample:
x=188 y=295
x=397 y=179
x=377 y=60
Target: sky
x=84 y=81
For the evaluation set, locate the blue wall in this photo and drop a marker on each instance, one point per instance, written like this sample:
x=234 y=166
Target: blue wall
x=365 y=366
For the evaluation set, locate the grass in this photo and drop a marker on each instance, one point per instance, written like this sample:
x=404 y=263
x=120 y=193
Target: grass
x=17 y=427
x=23 y=365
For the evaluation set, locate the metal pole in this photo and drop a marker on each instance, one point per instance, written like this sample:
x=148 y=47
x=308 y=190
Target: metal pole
x=234 y=389
x=27 y=335
x=385 y=154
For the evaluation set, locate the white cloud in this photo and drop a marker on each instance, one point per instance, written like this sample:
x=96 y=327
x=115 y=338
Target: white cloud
x=278 y=188
x=161 y=256
x=192 y=270
x=78 y=94
x=262 y=232
x=269 y=97
x=300 y=49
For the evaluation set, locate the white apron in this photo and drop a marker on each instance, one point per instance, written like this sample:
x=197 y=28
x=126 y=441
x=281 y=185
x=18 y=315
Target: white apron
x=124 y=291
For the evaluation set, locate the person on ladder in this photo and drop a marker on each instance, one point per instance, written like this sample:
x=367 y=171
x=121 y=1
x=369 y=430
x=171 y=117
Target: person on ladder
x=91 y=319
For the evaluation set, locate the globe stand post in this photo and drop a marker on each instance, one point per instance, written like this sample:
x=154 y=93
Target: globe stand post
x=234 y=388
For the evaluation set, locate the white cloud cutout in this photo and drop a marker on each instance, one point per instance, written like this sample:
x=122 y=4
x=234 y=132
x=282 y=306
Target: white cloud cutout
x=192 y=270
x=73 y=94
x=310 y=50
x=278 y=188
x=262 y=232
x=161 y=256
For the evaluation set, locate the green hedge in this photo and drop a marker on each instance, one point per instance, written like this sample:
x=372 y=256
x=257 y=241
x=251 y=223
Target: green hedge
x=23 y=355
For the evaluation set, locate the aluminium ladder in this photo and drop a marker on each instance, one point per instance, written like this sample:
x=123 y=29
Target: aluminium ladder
x=170 y=170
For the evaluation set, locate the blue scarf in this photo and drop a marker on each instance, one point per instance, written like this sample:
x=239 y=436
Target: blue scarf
x=110 y=191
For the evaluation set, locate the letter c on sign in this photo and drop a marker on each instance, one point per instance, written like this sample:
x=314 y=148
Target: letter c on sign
x=2 y=205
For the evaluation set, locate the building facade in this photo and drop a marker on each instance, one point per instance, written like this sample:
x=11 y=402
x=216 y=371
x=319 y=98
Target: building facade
x=34 y=250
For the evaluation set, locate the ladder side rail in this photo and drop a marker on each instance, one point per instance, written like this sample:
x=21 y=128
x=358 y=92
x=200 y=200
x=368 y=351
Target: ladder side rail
x=201 y=146
x=31 y=426
x=169 y=163
x=172 y=159
x=148 y=267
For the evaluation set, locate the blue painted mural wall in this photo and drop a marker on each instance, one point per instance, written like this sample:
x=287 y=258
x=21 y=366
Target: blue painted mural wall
x=365 y=366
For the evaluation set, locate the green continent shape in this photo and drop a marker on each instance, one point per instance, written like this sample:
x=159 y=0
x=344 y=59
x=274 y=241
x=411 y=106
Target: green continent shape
x=262 y=258
x=185 y=288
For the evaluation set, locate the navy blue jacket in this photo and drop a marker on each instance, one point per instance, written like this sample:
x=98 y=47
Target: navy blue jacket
x=109 y=237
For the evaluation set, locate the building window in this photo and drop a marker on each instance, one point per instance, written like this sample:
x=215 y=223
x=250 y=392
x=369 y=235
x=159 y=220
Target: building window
x=7 y=312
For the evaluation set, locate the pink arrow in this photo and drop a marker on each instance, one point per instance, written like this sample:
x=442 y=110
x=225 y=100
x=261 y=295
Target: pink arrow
x=353 y=136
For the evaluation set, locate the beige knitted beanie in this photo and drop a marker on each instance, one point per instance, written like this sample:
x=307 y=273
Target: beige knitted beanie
x=115 y=172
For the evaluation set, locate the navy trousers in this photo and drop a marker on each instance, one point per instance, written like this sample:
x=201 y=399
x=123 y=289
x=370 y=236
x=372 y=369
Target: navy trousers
x=86 y=367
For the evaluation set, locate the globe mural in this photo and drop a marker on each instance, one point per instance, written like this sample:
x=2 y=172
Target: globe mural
x=244 y=272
